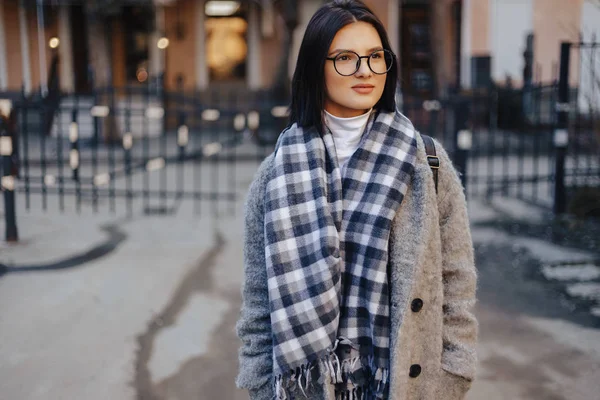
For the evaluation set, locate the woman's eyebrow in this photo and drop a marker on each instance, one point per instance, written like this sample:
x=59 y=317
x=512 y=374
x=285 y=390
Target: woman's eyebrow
x=336 y=51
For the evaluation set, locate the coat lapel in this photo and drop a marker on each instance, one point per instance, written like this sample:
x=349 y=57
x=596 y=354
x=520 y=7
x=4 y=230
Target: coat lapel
x=406 y=247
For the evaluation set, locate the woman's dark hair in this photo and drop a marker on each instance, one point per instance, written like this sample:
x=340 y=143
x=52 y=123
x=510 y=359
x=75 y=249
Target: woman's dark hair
x=308 y=83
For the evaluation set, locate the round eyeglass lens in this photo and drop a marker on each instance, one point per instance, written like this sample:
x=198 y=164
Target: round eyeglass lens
x=346 y=63
x=381 y=61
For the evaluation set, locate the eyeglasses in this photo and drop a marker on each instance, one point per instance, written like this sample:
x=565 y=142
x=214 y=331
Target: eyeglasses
x=347 y=62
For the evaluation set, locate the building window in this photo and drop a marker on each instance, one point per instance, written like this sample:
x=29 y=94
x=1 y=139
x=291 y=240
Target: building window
x=226 y=41
x=421 y=80
x=416 y=53
x=419 y=41
x=138 y=25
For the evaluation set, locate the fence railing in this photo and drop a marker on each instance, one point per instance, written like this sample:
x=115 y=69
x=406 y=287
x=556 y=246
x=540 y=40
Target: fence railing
x=507 y=142
x=120 y=147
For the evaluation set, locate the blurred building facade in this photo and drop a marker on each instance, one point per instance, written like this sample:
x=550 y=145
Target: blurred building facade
x=194 y=44
x=198 y=44
x=495 y=37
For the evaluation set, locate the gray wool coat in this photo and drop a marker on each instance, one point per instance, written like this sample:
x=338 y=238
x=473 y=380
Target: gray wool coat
x=433 y=284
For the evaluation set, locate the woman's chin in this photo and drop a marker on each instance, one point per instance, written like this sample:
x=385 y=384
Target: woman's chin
x=361 y=106
x=364 y=103
x=352 y=108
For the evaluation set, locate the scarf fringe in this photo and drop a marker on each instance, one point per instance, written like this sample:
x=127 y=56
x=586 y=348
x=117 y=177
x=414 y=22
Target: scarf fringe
x=339 y=372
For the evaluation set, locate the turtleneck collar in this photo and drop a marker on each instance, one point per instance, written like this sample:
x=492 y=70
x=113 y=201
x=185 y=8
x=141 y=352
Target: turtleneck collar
x=341 y=127
x=347 y=133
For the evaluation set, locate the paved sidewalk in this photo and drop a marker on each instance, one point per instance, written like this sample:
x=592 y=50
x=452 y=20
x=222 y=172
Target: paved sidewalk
x=536 y=341
x=152 y=315
x=75 y=333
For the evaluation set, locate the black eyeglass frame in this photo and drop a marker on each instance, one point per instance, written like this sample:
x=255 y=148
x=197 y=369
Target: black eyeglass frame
x=359 y=61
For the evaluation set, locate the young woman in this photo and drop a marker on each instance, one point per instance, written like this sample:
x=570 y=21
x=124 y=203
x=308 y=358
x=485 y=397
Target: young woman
x=359 y=276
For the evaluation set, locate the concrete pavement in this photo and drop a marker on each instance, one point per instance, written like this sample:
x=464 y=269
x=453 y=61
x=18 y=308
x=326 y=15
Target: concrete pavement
x=153 y=316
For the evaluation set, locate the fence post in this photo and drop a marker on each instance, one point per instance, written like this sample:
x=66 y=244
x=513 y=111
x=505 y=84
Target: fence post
x=561 y=133
x=7 y=151
x=462 y=138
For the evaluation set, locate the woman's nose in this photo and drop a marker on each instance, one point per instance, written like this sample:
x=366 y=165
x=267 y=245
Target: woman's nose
x=363 y=69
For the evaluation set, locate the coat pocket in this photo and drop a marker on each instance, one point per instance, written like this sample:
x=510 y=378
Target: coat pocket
x=451 y=386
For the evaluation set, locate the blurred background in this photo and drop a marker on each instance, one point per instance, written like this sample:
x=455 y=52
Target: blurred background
x=131 y=129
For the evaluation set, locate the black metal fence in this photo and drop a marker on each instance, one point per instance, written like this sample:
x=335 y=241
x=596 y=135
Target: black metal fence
x=579 y=115
x=125 y=147
x=132 y=146
x=510 y=150
x=539 y=143
x=499 y=151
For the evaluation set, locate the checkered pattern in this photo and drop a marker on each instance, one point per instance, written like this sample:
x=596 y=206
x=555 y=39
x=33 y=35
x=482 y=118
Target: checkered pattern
x=327 y=240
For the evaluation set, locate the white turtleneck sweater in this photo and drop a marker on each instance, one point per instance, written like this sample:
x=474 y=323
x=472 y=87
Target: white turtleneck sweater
x=347 y=133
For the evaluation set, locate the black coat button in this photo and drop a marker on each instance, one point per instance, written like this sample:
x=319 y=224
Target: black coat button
x=415 y=370
x=416 y=305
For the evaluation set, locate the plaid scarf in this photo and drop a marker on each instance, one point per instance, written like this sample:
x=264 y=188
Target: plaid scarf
x=326 y=254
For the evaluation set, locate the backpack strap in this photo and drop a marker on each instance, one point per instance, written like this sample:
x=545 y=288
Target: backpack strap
x=432 y=158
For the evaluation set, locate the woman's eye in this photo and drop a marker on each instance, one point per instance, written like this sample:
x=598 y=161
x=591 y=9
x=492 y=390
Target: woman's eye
x=376 y=55
x=343 y=58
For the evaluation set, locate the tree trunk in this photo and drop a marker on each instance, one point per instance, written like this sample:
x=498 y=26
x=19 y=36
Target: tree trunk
x=99 y=35
x=440 y=10
x=288 y=9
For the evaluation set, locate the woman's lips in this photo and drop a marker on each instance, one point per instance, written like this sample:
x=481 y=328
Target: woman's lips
x=363 y=89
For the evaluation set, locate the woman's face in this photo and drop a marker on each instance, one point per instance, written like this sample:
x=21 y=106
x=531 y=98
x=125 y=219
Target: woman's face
x=350 y=96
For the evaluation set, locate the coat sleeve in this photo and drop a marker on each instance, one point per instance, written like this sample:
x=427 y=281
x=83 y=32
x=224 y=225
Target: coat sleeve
x=460 y=327
x=254 y=324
